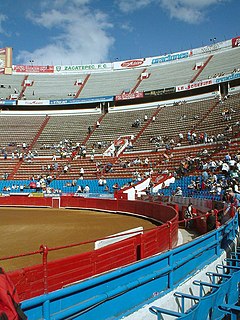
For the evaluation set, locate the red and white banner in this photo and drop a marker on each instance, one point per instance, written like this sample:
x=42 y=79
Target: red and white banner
x=129 y=95
x=33 y=69
x=131 y=64
x=194 y=85
x=236 y=42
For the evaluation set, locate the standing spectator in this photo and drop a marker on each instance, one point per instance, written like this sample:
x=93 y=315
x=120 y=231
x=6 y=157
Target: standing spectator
x=188 y=214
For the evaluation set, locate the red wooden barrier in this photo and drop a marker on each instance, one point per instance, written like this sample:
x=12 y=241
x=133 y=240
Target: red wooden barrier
x=49 y=276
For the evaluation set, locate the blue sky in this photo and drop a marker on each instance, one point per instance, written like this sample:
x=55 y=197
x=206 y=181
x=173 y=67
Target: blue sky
x=93 y=31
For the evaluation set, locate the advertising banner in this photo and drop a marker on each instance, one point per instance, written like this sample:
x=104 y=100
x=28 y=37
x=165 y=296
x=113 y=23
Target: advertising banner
x=160 y=92
x=6 y=60
x=169 y=90
x=131 y=64
x=81 y=101
x=33 y=69
x=83 y=68
x=33 y=102
x=172 y=57
x=127 y=96
x=2 y=60
x=236 y=42
x=7 y=102
x=229 y=77
x=194 y=85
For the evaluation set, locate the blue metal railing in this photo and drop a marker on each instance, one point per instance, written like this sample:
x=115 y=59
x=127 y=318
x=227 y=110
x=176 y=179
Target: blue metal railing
x=219 y=300
x=117 y=293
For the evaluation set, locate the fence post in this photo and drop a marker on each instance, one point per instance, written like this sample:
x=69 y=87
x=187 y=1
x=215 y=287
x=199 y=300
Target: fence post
x=45 y=267
x=170 y=234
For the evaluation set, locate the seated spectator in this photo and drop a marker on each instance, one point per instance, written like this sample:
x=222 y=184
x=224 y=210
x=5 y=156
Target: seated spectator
x=86 y=189
x=130 y=145
x=178 y=192
x=106 y=189
x=38 y=186
x=32 y=185
x=136 y=123
x=115 y=186
x=65 y=168
x=74 y=182
x=81 y=172
x=192 y=185
x=180 y=136
x=100 y=182
x=79 y=189
x=225 y=168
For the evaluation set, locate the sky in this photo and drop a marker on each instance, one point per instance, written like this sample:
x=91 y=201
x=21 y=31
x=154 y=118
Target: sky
x=69 y=32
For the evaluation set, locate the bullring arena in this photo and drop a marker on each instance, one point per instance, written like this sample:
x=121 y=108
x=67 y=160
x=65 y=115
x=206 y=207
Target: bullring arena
x=25 y=229
x=81 y=160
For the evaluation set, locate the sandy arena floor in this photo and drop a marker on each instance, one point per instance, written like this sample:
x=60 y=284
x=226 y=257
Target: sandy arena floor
x=23 y=230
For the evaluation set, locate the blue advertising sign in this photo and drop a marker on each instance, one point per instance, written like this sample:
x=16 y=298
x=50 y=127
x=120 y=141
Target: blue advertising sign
x=230 y=77
x=82 y=100
x=8 y=102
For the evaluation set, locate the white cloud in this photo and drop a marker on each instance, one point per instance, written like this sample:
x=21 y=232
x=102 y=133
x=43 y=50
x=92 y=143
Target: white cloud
x=2 y=19
x=184 y=10
x=190 y=11
x=79 y=35
x=132 y=5
x=126 y=26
